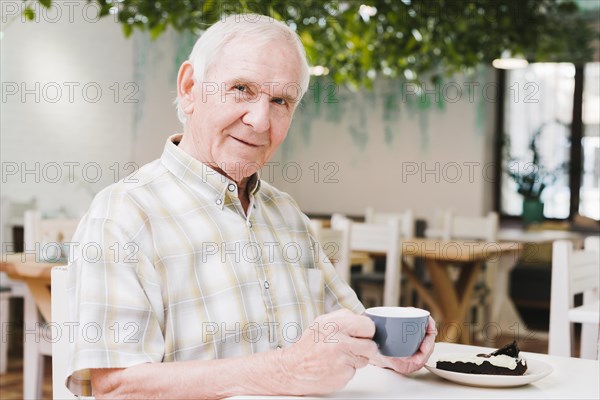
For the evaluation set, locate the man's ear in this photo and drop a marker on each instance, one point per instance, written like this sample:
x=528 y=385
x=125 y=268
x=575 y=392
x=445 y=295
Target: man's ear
x=185 y=86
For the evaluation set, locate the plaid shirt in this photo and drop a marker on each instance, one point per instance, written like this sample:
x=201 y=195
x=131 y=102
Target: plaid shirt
x=168 y=267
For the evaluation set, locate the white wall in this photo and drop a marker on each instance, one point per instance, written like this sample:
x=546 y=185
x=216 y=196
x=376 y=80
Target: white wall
x=350 y=133
x=53 y=114
x=436 y=157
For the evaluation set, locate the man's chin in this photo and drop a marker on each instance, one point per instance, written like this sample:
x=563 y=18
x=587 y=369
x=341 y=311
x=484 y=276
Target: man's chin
x=238 y=170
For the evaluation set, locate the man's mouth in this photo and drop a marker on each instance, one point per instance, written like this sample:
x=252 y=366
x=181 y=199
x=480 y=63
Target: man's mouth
x=246 y=143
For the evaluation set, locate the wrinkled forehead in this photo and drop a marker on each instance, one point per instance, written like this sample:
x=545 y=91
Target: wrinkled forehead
x=266 y=58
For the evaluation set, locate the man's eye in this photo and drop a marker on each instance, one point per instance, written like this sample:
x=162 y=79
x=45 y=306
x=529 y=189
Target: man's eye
x=279 y=100
x=241 y=88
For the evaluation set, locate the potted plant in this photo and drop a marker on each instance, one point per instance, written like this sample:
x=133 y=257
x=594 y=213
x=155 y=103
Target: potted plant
x=532 y=175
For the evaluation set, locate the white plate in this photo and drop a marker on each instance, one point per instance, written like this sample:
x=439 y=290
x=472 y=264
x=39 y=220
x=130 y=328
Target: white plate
x=536 y=370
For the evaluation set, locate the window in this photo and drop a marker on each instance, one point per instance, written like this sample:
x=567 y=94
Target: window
x=540 y=99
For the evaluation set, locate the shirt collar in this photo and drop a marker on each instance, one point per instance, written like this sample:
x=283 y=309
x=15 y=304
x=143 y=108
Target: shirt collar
x=200 y=176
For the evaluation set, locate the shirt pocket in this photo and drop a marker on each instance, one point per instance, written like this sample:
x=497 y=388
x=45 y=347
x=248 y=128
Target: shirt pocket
x=298 y=290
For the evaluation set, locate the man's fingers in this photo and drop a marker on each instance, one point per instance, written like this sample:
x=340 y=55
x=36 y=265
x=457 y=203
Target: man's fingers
x=363 y=348
x=431 y=328
x=360 y=362
x=358 y=326
x=350 y=324
x=429 y=342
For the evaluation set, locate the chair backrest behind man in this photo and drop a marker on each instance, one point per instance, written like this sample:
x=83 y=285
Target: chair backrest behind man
x=336 y=246
x=46 y=237
x=377 y=238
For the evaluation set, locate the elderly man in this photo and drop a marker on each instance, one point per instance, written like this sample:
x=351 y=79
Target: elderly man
x=195 y=293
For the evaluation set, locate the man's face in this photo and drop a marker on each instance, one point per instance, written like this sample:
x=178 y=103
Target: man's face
x=243 y=108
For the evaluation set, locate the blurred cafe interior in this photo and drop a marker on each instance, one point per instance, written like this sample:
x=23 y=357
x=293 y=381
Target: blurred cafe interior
x=447 y=154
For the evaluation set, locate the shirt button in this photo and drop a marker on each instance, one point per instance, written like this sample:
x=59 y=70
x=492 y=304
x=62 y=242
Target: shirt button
x=266 y=285
x=231 y=187
x=219 y=202
x=278 y=347
x=249 y=224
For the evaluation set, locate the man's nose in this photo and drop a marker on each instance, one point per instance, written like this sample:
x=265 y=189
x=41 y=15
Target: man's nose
x=257 y=113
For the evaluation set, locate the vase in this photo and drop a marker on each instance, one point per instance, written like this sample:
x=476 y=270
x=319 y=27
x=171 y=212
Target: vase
x=533 y=211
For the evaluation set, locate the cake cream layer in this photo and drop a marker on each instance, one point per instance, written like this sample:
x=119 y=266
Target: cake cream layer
x=502 y=361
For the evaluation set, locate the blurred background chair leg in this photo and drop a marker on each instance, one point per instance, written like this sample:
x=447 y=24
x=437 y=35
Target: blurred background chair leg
x=33 y=360
x=4 y=321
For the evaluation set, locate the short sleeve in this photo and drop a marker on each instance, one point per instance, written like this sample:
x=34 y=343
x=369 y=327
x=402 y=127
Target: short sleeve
x=116 y=307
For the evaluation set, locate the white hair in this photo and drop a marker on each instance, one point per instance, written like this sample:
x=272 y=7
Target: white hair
x=257 y=30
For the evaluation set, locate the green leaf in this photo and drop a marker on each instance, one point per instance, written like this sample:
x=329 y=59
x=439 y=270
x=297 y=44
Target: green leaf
x=127 y=29
x=157 y=30
x=29 y=13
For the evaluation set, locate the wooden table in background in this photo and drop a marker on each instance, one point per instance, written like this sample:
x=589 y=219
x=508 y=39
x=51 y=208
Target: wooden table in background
x=447 y=298
x=35 y=273
x=452 y=299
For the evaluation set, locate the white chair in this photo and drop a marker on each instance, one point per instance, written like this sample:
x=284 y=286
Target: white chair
x=60 y=345
x=9 y=290
x=4 y=298
x=377 y=238
x=336 y=245
x=476 y=228
x=456 y=227
x=11 y=215
x=406 y=220
x=46 y=236
x=435 y=224
x=574 y=272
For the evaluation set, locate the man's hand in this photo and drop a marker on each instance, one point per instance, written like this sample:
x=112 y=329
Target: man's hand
x=327 y=354
x=407 y=365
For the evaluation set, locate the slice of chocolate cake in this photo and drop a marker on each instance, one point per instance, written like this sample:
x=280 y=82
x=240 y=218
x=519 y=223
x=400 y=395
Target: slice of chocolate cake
x=504 y=361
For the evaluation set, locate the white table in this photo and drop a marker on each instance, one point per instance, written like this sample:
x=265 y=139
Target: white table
x=572 y=378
